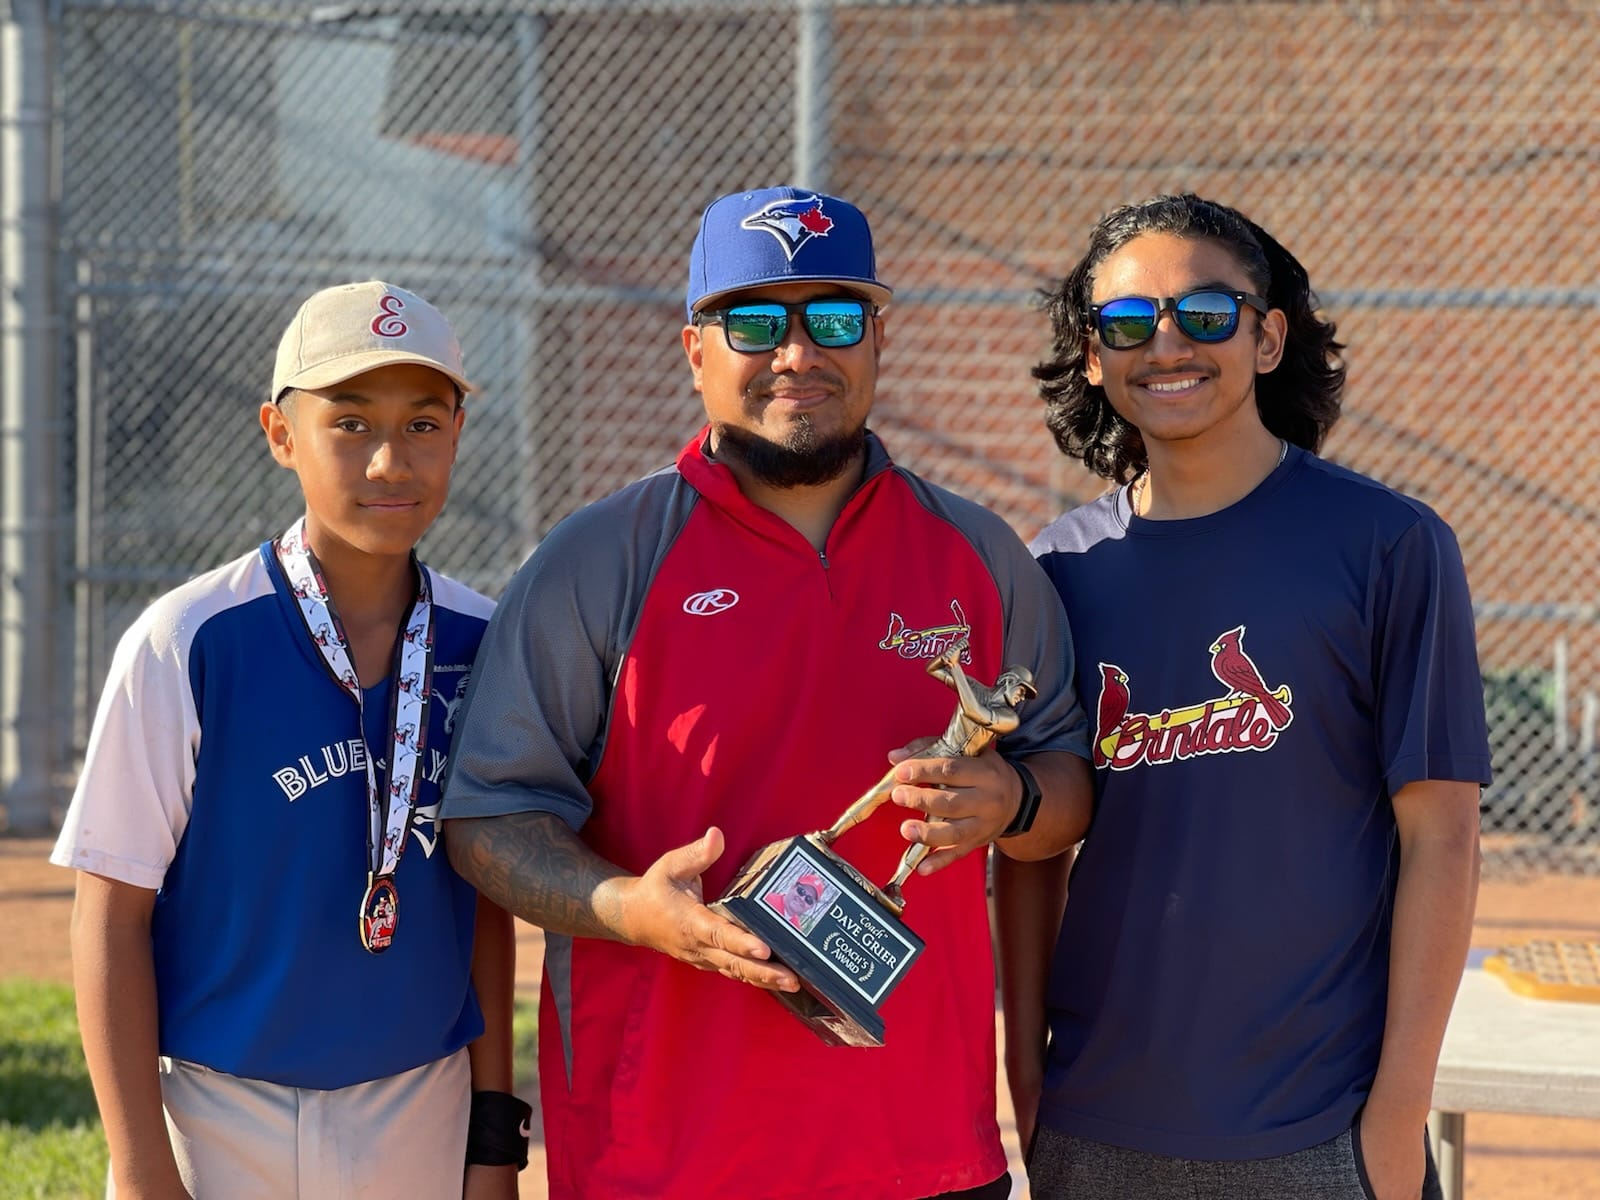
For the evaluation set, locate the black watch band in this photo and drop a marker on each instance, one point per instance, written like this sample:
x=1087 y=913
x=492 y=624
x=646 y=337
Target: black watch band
x=1029 y=808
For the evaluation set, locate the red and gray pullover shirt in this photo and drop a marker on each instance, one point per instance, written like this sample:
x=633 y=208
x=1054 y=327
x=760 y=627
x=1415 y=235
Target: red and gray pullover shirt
x=675 y=657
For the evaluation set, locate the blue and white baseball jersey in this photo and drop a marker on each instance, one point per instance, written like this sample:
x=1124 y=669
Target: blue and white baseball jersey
x=226 y=768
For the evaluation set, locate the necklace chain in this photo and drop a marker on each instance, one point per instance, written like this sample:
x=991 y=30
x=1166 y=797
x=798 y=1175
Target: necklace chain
x=1141 y=484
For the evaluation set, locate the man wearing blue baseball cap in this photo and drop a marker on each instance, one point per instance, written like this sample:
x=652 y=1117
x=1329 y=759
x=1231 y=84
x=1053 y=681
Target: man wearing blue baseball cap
x=718 y=657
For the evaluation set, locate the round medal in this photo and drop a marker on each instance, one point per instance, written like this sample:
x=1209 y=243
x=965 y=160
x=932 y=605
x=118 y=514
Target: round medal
x=380 y=910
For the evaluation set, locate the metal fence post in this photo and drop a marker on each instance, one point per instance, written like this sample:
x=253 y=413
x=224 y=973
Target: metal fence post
x=30 y=419
x=527 y=322
x=812 y=78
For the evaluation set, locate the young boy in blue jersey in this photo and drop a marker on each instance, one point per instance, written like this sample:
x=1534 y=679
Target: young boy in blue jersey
x=1268 y=919
x=278 y=983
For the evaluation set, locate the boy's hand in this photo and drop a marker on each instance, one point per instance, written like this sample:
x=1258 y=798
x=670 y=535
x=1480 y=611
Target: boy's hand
x=1394 y=1158
x=665 y=910
x=490 y=1183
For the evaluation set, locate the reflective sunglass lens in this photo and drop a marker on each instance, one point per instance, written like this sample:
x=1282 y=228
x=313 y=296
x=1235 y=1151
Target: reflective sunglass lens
x=1208 y=316
x=1202 y=316
x=1127 y=323
x=754 y=327
x=835 y=323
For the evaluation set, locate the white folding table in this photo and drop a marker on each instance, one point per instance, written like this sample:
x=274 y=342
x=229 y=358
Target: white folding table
x=1508 y=1053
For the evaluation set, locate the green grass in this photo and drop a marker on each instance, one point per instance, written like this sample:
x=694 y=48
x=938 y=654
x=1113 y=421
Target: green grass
x=53 y=1164
x=525 y=1038
x=50 y=1139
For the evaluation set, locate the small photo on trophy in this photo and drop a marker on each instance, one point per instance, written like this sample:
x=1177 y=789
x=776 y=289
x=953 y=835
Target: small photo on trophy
x=800 y=896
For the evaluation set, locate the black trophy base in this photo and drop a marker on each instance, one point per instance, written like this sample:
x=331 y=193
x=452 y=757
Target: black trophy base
x=831 y=927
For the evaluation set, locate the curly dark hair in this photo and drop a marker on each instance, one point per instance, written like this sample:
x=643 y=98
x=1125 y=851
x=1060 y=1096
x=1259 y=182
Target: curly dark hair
x=1298 y=401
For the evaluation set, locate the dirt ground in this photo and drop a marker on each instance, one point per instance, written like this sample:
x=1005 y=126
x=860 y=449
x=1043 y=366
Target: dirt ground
x=1508 y=1157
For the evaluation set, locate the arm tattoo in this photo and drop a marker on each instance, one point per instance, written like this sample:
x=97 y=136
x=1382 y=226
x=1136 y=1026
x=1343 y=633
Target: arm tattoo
x=533 y=865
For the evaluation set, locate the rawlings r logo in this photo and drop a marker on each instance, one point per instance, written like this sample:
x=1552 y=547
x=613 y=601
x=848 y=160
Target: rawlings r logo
x=707 y=604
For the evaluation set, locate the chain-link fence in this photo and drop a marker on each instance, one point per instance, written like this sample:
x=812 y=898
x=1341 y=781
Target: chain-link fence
x=536 y=170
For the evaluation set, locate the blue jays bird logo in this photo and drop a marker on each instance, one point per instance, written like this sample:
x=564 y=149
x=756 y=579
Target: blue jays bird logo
x=793 y=222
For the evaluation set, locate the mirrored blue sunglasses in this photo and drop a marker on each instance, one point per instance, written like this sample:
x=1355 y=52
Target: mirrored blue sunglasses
x=834 y=322
x=1205 y=315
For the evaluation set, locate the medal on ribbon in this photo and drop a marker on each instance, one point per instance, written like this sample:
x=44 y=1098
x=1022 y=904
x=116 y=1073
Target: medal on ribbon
x=380 y=912
x=389 y=808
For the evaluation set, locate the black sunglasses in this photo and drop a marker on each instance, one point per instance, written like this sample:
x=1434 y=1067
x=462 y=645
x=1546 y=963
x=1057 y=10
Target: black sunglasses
x=1205 y=315
x=834 y=322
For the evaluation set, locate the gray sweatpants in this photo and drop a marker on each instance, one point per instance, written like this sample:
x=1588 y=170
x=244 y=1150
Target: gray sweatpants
x=242 y=1139
x=1063 y=1167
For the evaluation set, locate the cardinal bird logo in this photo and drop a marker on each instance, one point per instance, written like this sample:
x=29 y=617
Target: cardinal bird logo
x=1232 y=666
x=1248 y=716
x=1114 y=699
x=793 y=222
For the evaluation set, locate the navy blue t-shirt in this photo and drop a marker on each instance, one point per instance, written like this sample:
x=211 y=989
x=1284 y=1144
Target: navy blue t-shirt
x=1261 y=682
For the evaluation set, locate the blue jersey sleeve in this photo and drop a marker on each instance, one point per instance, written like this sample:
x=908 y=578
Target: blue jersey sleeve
x=1430 y=718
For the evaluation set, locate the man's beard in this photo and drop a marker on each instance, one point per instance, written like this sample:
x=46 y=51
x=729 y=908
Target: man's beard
x=801 y=460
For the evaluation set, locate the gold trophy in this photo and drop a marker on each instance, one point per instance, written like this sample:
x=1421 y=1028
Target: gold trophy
x=839 y=932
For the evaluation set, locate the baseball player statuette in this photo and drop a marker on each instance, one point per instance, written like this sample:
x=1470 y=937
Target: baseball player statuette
x=839 y=932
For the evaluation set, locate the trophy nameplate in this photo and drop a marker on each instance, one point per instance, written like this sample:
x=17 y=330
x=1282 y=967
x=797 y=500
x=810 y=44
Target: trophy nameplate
x=834 y=929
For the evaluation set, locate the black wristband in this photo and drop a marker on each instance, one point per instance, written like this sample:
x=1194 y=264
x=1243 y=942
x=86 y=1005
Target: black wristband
x=497 y=1130
x=1029 y=808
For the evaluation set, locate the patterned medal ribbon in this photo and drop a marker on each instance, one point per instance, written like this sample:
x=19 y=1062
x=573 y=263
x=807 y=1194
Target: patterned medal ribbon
x=389 y=809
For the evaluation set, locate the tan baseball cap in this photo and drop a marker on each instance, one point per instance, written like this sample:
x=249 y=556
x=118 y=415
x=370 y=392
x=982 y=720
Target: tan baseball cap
x=342 y=331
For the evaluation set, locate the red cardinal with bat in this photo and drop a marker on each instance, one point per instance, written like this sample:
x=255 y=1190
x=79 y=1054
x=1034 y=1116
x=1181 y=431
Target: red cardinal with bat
x=1231 y=665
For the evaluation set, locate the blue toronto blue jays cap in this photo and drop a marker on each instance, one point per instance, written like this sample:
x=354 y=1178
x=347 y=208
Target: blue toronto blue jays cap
x=781 y=235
